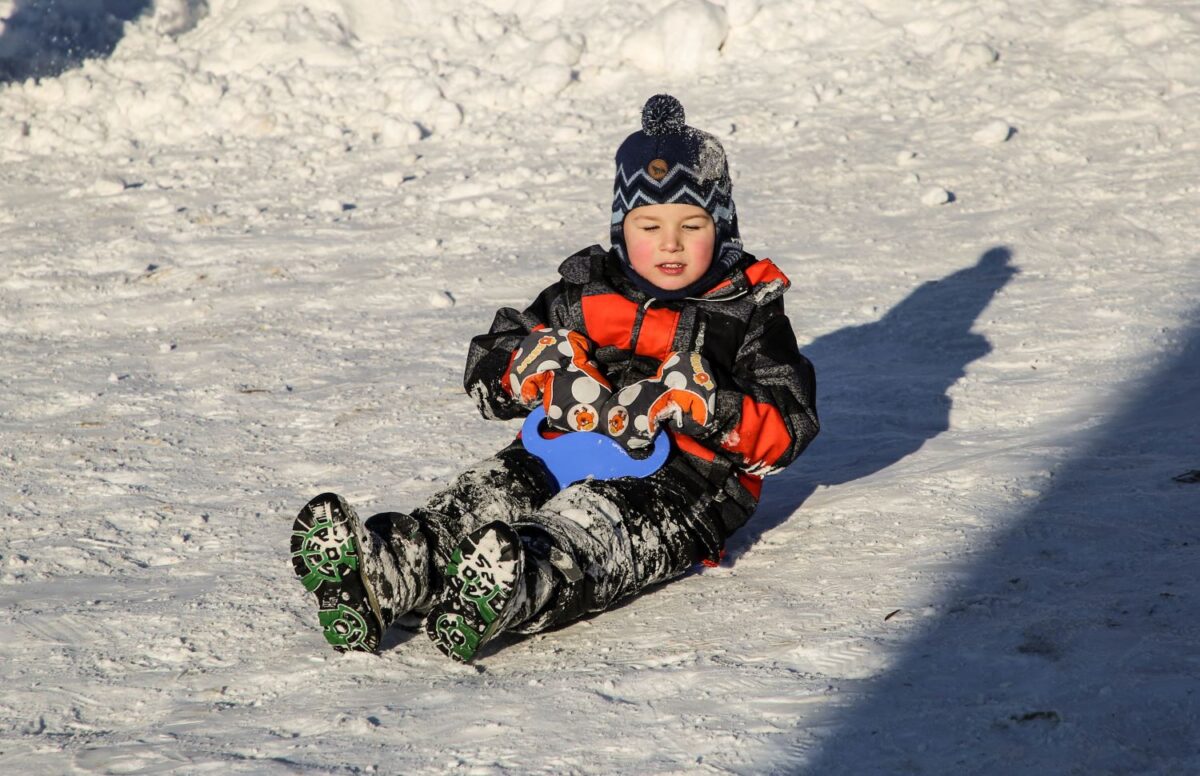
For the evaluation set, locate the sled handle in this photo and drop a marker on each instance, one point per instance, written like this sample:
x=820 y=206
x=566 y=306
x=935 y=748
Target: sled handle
x=575 y=456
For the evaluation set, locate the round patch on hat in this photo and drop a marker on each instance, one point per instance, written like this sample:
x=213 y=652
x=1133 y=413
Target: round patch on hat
x=658 y=168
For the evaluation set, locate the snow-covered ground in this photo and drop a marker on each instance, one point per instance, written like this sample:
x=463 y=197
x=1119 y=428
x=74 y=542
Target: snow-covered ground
x=241 y=256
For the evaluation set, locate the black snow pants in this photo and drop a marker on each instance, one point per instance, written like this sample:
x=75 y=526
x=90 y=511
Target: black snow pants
x=604 y=540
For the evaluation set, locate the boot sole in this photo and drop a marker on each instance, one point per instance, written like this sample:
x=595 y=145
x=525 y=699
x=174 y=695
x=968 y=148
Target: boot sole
x=326 y=559
x=484 y=571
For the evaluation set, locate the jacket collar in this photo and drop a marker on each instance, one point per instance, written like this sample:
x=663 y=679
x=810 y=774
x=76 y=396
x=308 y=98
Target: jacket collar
x=758 y=278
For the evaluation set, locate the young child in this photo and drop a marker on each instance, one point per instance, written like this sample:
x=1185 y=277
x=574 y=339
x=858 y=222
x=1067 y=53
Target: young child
x=676 y=327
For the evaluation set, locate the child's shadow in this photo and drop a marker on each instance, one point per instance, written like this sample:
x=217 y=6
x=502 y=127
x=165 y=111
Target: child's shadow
x=882 y=387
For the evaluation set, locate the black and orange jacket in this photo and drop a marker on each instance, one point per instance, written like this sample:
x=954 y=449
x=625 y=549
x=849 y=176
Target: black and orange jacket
x=766 y=390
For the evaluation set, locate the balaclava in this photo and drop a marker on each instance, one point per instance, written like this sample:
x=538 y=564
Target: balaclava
x=668 y=162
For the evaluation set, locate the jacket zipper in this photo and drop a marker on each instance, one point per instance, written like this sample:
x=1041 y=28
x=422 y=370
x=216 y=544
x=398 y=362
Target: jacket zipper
x=641 y=317
x=637 y=332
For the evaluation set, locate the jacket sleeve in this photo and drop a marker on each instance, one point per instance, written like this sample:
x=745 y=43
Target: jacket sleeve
x=766 y=408
x=490 y=354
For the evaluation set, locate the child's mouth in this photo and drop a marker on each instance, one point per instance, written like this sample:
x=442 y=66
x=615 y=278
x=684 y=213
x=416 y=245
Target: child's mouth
x=672 y=268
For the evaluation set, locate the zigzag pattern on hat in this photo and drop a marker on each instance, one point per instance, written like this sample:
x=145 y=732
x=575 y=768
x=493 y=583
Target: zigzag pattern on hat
x=625 y=181
x=641 y=180
x=720 y=213
x=640 y=188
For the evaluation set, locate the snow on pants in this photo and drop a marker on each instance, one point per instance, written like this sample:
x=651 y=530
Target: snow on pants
x=603 y=540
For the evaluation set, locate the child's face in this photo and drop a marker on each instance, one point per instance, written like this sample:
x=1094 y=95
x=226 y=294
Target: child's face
x=670 y=245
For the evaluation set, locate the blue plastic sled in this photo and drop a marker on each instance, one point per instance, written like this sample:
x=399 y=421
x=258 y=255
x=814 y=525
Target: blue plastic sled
x=581 y=454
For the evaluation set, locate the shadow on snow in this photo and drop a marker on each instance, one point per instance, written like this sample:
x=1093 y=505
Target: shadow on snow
x=1071 y=645
x=882 y=386
x=44 y=38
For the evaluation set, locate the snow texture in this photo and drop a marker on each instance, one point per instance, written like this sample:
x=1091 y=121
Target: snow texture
x=679 y=40
x=244 y=244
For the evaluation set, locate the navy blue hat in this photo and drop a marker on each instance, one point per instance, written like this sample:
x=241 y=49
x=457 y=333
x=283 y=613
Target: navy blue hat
x=668 y=162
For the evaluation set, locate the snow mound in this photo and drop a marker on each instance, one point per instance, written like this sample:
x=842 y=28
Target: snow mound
x=681 y=39
x=332 y=73
x=324 y=75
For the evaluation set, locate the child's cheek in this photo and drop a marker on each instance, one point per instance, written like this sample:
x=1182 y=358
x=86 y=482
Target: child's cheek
x=641 y=250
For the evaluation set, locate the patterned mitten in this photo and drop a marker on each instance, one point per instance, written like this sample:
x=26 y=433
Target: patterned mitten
x=556 y=366
x=682 y=395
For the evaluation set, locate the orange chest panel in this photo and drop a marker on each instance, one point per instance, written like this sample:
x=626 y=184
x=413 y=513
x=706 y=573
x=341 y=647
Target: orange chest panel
x=610 y=318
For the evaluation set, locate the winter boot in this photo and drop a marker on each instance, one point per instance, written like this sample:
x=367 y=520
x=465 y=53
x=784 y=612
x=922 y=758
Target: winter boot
x=399 y=567
x=485 y=591
x=361 y=583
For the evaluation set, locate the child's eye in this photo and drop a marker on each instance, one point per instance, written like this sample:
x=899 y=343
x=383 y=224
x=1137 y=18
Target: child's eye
x=649 y=228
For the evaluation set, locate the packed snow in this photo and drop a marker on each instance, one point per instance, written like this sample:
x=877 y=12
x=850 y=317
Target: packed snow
x=244 y=244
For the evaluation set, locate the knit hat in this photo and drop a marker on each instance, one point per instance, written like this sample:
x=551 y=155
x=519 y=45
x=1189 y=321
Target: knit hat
x=668 y=162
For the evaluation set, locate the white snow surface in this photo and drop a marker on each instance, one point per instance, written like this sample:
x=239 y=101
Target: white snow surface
x=243 y=252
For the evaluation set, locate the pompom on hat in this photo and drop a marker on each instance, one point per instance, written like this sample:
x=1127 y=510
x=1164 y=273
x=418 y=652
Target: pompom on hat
x=663 y=115
x=668 y=162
